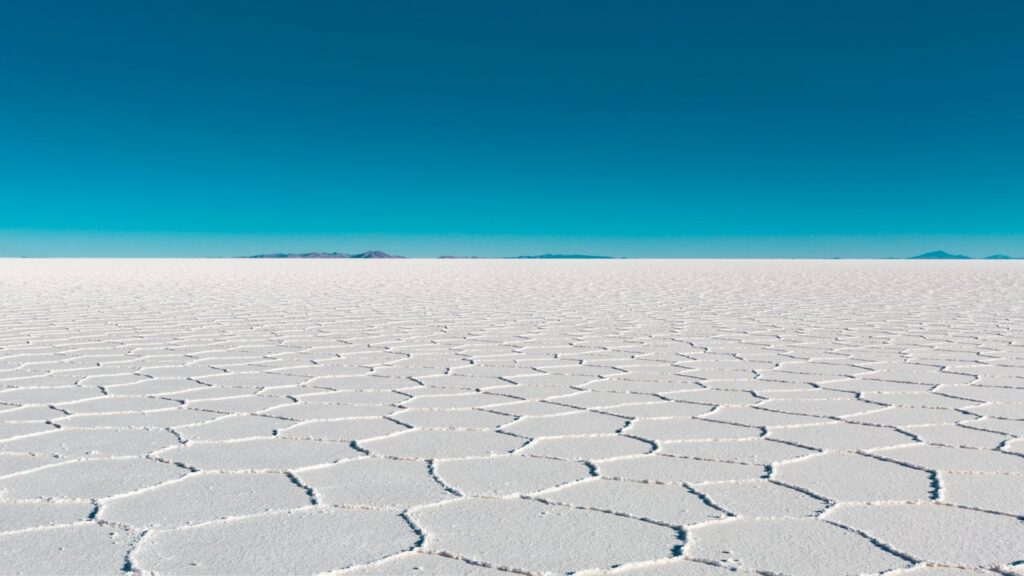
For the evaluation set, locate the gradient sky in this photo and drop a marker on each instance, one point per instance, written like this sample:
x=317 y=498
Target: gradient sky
x=740 y=128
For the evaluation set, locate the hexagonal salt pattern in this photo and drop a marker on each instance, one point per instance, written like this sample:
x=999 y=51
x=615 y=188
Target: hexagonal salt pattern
x=489 y=417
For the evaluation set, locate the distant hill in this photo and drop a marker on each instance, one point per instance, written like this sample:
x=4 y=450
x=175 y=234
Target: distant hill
x=536 y=257
x=365 y=255
x=943 y=255
x=939 y=255
x=375 y=254
x=561 y=257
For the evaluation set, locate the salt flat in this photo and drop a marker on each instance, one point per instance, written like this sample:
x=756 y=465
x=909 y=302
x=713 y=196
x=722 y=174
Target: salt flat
x=479 y=417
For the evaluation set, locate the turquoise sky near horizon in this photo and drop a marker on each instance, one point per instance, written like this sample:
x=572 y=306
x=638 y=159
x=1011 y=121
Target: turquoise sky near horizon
x=652 y=129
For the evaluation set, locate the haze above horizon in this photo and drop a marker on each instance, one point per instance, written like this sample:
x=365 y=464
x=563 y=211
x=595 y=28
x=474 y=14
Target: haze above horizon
x=661 y=129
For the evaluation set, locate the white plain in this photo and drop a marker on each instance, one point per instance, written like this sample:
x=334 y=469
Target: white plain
x=475 y=417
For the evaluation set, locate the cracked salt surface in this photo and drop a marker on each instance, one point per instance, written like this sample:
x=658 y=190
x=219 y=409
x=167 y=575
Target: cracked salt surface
x=488 y=417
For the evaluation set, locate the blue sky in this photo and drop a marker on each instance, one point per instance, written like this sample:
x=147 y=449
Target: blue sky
x=746 y=128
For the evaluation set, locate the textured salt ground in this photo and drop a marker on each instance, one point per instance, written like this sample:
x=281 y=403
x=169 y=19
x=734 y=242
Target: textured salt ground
x=488 y=417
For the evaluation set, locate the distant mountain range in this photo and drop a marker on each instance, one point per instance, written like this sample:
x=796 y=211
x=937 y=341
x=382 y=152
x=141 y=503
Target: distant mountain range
x=379 y=254
x=365 y=255
x=939 y=255
x=561 y=257
x=537 y=257
x=943 y=255
x=375 y=254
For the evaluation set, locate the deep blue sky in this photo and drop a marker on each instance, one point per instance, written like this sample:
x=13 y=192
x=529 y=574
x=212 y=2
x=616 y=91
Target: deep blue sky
x=740 y=128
